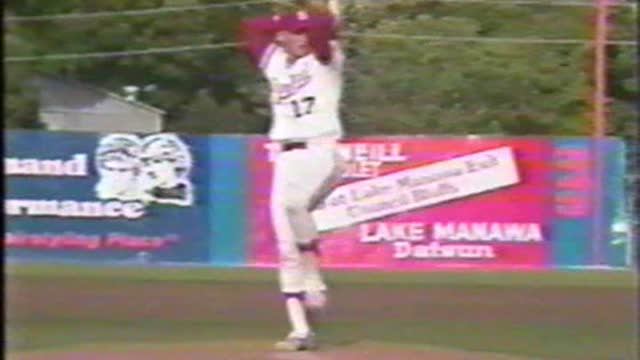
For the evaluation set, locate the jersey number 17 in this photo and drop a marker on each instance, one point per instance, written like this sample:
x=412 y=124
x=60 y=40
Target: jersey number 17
x=303 y=106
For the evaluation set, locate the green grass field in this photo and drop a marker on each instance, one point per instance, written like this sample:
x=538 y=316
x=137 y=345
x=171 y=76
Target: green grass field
x=559 y=315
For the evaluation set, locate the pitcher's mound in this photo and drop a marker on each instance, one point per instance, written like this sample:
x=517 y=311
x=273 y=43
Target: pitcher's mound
x=255 y=350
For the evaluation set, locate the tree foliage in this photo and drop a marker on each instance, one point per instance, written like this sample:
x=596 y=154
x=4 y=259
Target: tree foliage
x=392 y=85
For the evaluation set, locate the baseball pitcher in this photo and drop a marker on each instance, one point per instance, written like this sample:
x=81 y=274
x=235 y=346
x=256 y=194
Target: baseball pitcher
x=300 y=56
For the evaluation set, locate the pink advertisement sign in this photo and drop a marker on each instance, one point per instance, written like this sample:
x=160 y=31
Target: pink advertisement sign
x=419 y=203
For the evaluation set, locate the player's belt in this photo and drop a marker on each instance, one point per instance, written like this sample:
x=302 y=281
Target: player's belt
x=288 y=146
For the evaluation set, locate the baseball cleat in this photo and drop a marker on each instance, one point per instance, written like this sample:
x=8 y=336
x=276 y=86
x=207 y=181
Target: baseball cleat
x=294 y=343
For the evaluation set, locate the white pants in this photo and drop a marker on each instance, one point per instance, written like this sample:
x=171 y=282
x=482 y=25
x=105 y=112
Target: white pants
x=302 y=179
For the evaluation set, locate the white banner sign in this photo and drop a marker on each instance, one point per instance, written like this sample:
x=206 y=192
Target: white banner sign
x=418 y=187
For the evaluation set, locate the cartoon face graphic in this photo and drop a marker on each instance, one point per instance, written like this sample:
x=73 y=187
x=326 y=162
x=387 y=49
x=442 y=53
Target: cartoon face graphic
x=118 y=166
x=165 y=160
x=152 y=169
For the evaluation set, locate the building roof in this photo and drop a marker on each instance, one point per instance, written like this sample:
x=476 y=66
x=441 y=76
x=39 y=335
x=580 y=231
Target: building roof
x=59 y=94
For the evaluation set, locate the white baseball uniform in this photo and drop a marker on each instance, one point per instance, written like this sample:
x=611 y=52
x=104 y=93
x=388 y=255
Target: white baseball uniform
x=305 y=98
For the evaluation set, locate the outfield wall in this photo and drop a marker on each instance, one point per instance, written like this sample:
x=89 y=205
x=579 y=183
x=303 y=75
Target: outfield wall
x=406 y=203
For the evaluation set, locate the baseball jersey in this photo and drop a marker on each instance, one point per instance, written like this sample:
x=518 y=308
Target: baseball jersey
x=305 y=95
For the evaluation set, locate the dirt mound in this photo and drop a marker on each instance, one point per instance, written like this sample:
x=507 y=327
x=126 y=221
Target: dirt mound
x=255 y=351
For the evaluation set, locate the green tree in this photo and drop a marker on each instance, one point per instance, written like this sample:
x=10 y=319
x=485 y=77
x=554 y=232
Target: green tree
x=469 y=87
x=181 y=79
x=392 y=85
x=623 y=75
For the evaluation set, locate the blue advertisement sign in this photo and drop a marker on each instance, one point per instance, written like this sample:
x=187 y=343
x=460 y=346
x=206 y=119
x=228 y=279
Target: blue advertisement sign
x=589 y=204
x=618 y=247
x=169 y=198
x=107 y=197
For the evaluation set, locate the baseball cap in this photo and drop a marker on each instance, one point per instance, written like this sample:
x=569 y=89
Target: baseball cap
x=294 y=24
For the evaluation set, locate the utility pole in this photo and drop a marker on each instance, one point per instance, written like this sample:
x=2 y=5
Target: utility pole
x=600 y=70
x=599 y=129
